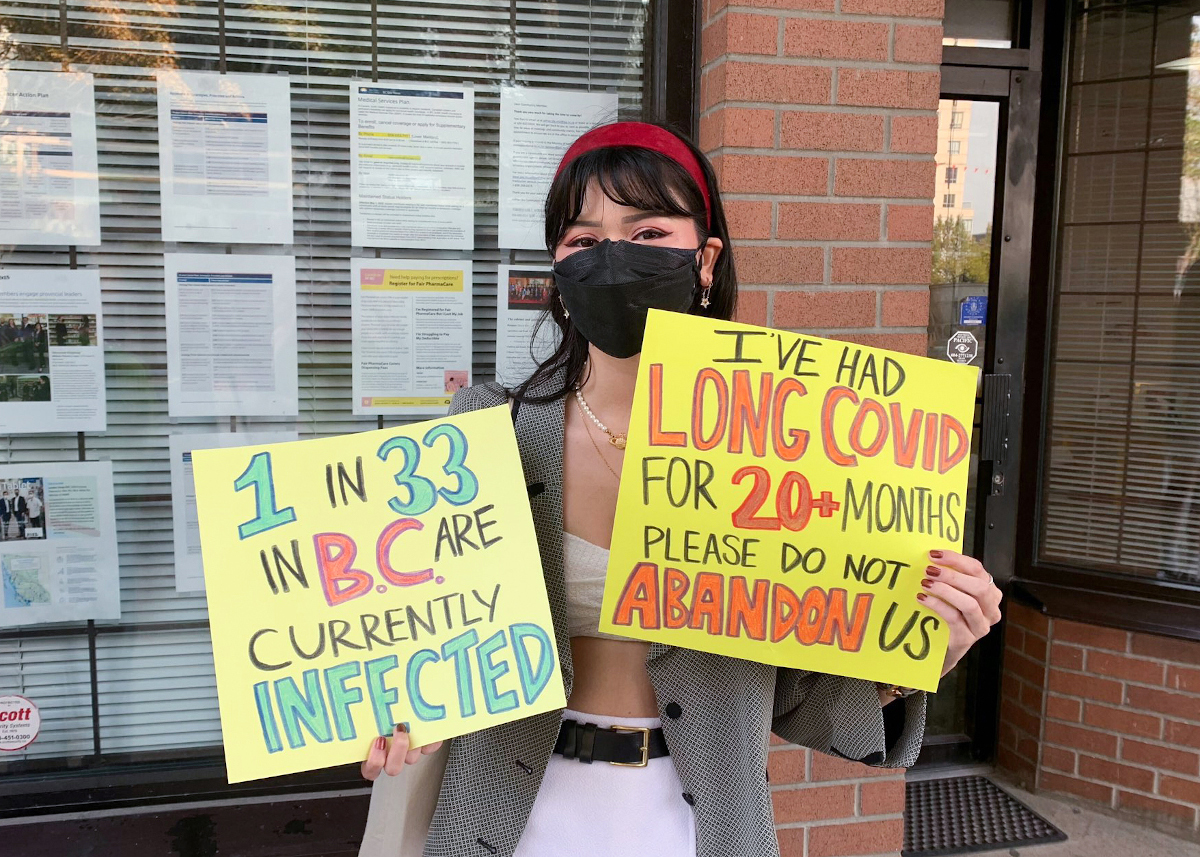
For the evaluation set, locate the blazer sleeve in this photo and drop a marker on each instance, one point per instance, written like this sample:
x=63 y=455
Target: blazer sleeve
x=842 y=717
x=477 y=398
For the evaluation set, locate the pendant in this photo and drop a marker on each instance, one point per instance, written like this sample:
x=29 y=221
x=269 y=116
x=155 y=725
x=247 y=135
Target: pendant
x=617 y=440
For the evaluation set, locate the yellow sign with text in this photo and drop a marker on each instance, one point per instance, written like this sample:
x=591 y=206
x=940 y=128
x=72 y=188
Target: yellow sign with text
x=360 y=581
x=779 y=496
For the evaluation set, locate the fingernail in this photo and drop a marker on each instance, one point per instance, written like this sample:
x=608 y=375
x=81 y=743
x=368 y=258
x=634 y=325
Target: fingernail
x=933 y=570
x=936 y=554
x=400 y=727
x=380 y=743
x=921 y=596
x=927 y=583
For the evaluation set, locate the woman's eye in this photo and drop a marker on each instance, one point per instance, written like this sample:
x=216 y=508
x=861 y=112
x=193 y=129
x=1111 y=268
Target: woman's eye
x=650 y=234
x=582 y=241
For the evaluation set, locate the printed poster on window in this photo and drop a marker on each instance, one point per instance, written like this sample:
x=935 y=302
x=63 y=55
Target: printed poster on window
x=411 y=323
x=189 y=569
x=520 y=343
x=231 y=335
x=537 y=126
x=780 y=494
x=49 y=183
x=51 y=351
x=58 y=543
x=412 y=157
x=360 y=581
x=225 y=157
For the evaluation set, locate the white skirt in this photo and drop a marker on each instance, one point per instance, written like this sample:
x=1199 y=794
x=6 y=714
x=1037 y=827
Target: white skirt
x=605 y=810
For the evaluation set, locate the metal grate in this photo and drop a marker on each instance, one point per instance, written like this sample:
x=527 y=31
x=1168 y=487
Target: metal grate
x=964 y=814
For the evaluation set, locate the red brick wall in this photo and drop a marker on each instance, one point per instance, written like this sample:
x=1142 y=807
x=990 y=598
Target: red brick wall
x=820 y=117
x=822 y=126
x=826 y=806
x=1108 y=716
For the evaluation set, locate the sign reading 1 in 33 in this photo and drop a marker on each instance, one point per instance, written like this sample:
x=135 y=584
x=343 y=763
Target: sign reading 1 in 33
x=361 y=581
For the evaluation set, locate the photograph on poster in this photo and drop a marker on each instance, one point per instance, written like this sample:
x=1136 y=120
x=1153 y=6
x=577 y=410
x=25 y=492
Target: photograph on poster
x=22 y=509
x=58 y=543
x=523 y=340
x=536 y=128
x=412 y=155
x=411 y=322
x=51 y=351
x=48 y=162
x=231 y=335
x=225 y=157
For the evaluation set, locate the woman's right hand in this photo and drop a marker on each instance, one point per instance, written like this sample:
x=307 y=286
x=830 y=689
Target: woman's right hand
x=391 y=759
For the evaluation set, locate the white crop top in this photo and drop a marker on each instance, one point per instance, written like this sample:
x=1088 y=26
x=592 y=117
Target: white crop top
x=584 y=568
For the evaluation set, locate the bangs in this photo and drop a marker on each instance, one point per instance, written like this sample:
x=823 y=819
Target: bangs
x=628 y=175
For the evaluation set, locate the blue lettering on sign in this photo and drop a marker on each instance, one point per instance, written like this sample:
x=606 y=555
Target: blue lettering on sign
x=973 y=310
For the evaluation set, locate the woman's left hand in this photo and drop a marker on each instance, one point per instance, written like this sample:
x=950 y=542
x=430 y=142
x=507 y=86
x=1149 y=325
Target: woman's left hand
x=959 y=589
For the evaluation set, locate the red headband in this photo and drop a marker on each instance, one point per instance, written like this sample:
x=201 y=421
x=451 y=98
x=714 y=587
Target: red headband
x=643 y=136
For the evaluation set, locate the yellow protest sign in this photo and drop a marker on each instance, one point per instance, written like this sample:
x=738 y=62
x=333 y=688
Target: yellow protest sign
x=361 y=581
x=779 y=495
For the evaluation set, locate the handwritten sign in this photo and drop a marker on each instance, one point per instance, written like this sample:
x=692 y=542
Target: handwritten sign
x=361 y=581
x=779 y=495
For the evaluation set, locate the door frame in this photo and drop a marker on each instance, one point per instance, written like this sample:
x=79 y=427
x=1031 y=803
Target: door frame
x=1017 y=89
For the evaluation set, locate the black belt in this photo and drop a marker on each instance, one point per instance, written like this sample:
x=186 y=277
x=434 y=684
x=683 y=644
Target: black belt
x=629 y=746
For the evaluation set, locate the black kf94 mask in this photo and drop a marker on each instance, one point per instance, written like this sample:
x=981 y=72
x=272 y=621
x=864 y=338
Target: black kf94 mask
x=608 y=288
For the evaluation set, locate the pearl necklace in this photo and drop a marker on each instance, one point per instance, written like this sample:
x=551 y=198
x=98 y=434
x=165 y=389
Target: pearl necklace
x=617 y=440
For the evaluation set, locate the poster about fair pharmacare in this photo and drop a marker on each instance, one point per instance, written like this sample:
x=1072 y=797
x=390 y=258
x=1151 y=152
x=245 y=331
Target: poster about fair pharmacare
x=411 y=321
x=779 y=496
x=361 y=581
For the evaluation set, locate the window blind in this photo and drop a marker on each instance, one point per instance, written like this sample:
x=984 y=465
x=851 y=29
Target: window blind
x=154 y=687
x=1121 y=486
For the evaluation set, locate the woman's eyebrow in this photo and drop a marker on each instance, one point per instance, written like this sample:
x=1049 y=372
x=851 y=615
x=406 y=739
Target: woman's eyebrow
x=644 y=215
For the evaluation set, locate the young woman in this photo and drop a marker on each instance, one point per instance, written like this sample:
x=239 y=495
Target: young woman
x=634 y=220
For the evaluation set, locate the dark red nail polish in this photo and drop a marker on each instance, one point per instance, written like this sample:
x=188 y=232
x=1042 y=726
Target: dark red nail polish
x=927 y=583
x=933 y=570
x=936 y=554
x=380 y=743
x=400 y=727
x=921 y=596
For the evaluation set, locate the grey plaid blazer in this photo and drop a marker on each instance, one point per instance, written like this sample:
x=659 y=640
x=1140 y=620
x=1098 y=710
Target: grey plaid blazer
x=717 y=712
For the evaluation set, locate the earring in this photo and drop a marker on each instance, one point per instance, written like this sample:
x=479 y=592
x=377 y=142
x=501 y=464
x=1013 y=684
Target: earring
x=704 y=296
x=566 y=312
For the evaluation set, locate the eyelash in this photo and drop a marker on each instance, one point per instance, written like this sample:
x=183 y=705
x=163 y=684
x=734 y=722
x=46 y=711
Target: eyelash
x=647 y=234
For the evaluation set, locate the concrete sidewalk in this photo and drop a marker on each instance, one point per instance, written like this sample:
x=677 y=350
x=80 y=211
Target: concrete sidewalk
x=1091 y=834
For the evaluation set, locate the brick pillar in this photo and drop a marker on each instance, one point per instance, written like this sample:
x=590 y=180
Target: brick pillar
x=820 y=117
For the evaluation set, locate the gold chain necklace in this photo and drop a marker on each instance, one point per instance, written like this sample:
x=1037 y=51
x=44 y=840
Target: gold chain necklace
x=617 y=440
x=596 y=447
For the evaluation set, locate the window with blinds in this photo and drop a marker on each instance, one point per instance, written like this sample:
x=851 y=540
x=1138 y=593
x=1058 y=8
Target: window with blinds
x=149 y=678
x=1121 y=482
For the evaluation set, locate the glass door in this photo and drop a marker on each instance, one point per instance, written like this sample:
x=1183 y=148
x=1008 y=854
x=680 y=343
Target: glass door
x=978 y=296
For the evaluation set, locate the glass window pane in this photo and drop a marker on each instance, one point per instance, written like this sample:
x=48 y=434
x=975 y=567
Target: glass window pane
x=1123 y=432
x=979 y=23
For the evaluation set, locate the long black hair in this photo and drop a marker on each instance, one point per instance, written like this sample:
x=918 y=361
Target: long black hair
x=639 y=178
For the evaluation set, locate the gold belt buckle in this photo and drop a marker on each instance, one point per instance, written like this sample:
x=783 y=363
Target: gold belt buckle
x=645 y=732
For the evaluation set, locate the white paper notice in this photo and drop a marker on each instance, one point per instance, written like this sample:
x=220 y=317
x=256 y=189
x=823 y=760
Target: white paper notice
x=58 y=543
x=412 y=173
x=520 y=344
x=51 y=351
x=411 y=329
x=189 y=569
x=231 y=335
x=537 y=126
x=49 y=188
x=225 y=157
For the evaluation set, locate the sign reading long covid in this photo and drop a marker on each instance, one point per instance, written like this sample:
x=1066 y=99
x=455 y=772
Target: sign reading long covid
x=779 y=496
x=360 y=581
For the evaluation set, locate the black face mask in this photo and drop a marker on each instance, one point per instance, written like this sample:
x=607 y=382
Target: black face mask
x=607 y=290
